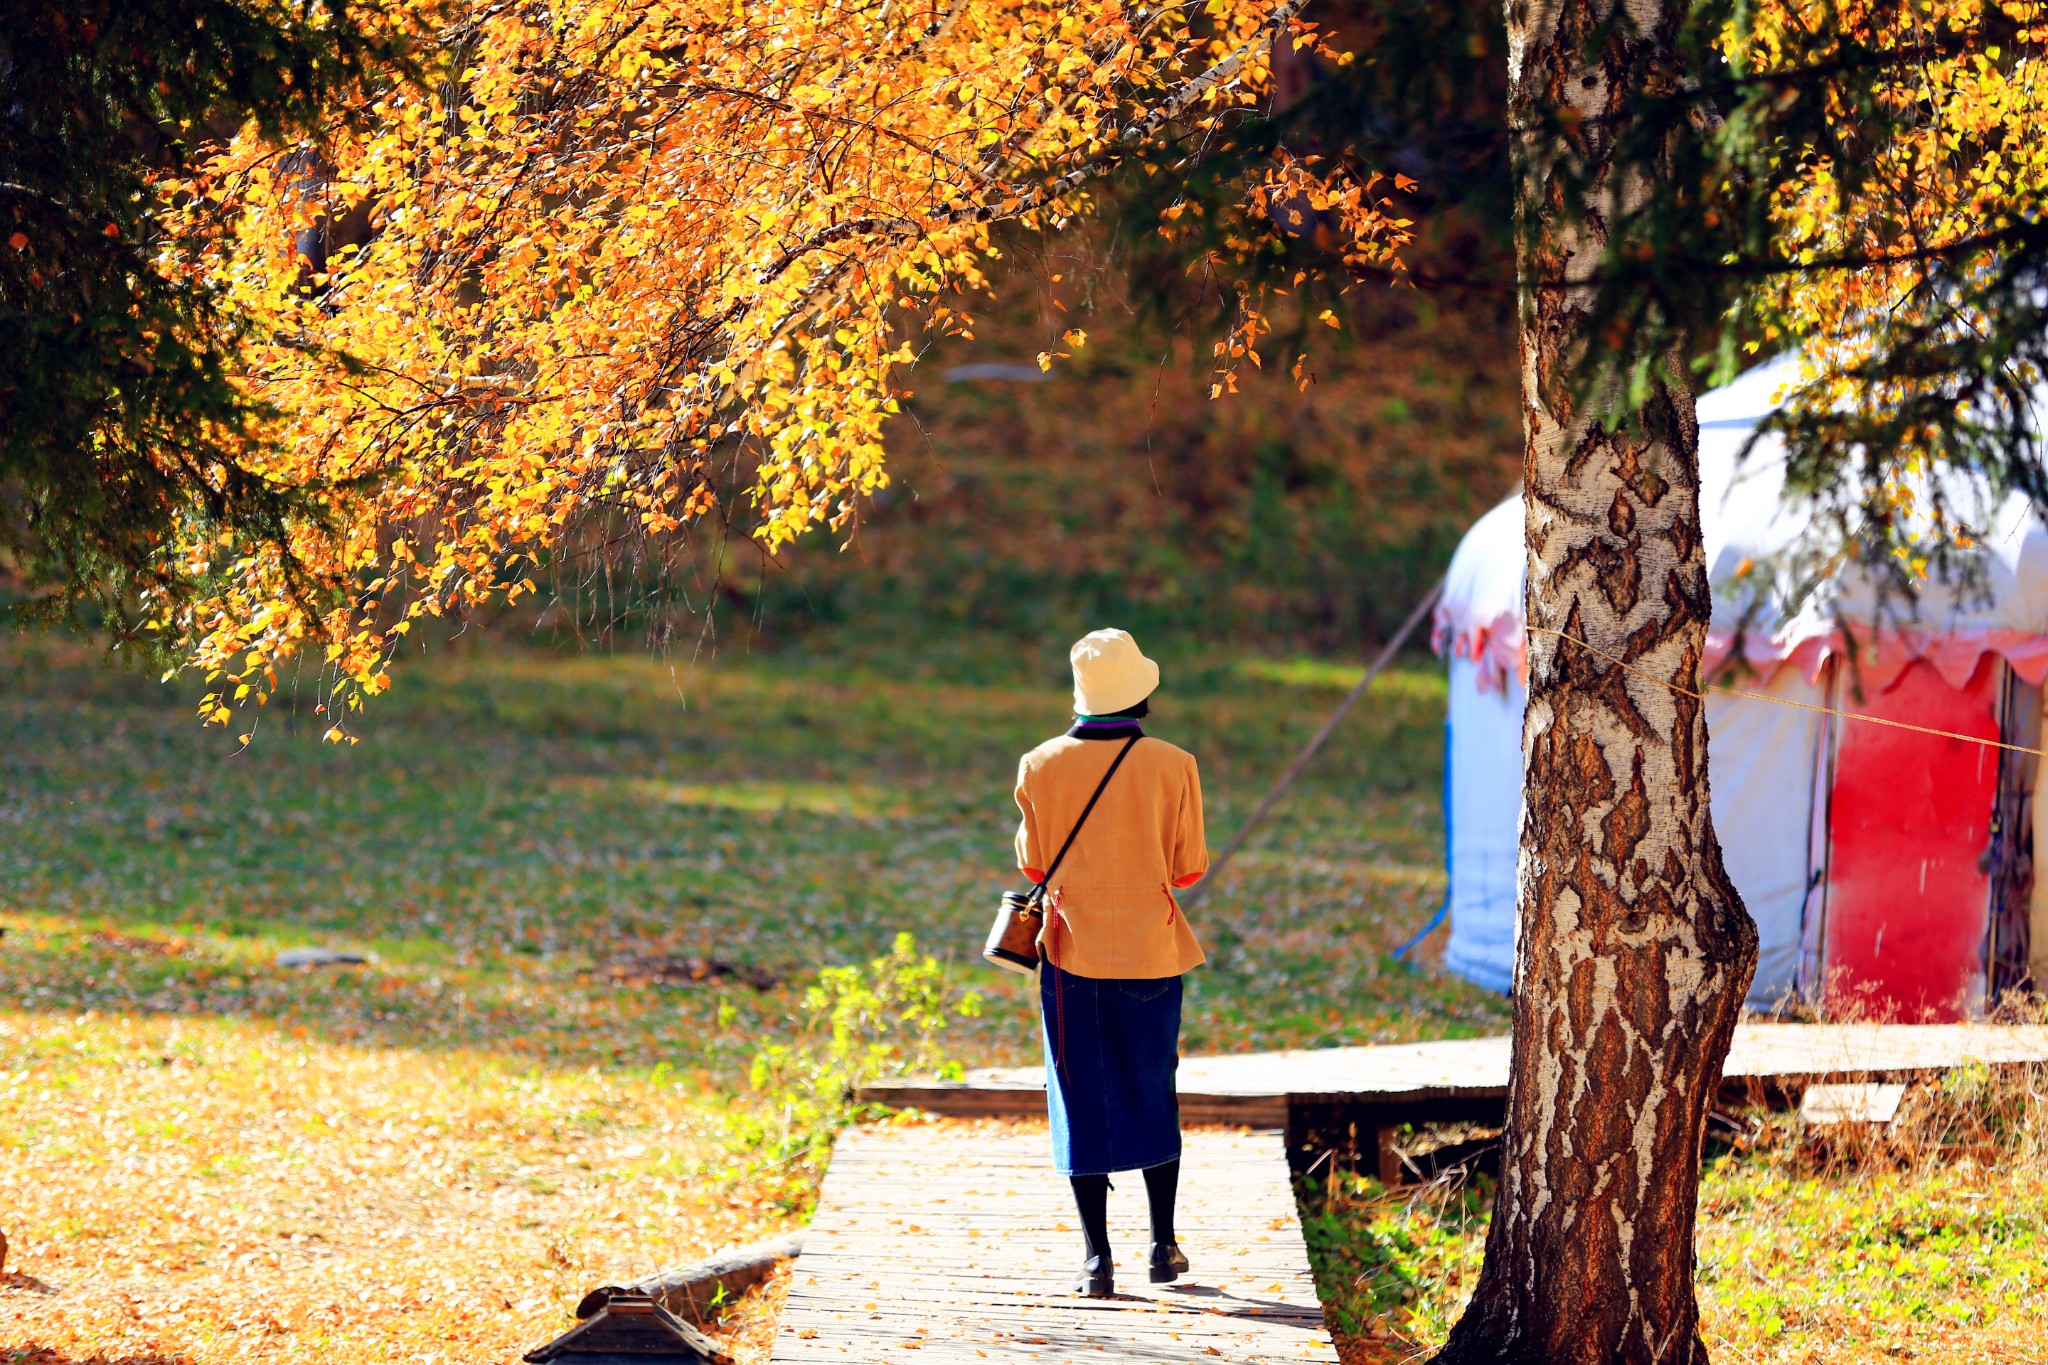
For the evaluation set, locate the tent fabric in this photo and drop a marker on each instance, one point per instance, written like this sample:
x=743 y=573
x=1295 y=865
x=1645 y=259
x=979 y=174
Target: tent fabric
x=1483 y=809
x=1760 y=761
x=1766 y=763
x=1744 y=520
x=1909 y=887
x=1479 y=616
x=1951 y=627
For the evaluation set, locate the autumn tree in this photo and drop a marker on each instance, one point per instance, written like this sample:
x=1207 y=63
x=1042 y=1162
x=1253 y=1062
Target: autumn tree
x=633 y=265
x=1635 y=950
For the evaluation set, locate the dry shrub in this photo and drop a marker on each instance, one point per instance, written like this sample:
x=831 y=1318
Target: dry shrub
x=1393 y=1266
x=1995 y=1117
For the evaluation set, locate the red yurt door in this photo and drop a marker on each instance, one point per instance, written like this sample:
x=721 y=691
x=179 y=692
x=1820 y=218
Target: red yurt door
x=1909 y=819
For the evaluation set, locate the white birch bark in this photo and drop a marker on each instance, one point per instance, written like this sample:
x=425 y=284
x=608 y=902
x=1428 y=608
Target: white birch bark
x=1634 y=951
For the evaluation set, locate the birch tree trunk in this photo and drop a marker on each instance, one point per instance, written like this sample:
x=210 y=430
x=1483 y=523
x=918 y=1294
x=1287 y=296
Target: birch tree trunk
x=1635 y=950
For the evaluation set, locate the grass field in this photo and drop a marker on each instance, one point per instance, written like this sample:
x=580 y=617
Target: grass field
x=427 y=1158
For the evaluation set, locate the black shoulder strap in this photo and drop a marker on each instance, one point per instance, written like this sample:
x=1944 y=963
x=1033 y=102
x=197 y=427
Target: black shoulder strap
x=1038 y=891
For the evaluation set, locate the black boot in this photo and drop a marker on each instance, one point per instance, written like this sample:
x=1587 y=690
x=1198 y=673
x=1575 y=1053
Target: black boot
x=1168 y=1264
x=1097 y=1279
x=1162 y=1184
x=1098 y=1271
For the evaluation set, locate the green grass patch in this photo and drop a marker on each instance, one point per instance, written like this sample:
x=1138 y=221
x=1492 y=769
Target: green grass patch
x=515 y=823
x=1929 y=1242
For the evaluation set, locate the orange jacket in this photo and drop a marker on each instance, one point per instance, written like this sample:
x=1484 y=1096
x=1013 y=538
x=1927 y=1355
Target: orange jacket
x=1111 y=911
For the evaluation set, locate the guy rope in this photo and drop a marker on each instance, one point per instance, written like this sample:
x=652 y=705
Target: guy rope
x=1386 y=655
x=1308 y=750
x=1781 y=701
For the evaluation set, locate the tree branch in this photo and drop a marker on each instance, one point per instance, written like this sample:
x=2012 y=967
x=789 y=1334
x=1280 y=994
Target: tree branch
x=1019 y=200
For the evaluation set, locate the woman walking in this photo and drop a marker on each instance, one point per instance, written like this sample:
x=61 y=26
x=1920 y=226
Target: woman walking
x=1115 y=943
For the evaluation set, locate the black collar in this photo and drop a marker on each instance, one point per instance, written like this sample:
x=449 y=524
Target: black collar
x=1127 y=730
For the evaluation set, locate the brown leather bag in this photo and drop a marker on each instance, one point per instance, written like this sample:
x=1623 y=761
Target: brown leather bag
x=1013 y=939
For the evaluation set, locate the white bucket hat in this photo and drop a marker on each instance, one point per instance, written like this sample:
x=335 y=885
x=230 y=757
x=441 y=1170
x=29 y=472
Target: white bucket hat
x=1110 y=673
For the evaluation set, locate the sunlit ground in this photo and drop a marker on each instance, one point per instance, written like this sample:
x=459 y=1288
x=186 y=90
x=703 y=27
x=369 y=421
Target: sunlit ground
x=214 y=1189
x=430 y=1156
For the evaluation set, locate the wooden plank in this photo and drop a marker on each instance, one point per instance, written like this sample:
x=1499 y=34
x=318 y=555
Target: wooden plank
x=960 y=1241
x=1008 y=1100
x=1866 y=1102
x=1263 y=1089
x=1814 y=1050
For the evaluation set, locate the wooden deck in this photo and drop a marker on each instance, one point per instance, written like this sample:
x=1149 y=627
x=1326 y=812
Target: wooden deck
x=960 y=1241
x=1415 y=1080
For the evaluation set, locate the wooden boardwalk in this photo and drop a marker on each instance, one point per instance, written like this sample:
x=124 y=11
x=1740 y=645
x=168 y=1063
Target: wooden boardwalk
x=959 y=1240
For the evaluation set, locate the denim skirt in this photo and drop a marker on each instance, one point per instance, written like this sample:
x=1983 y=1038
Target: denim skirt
x=1111 y=1048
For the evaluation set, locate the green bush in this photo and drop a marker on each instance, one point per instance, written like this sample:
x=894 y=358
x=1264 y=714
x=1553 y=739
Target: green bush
x=860 y=1025
x=1396 y=1260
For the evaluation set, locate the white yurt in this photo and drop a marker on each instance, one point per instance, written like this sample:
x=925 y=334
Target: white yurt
x=1889 y=870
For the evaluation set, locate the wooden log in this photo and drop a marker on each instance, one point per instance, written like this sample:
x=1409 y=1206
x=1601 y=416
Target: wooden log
x=688 y=1291
x=630 y=1329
